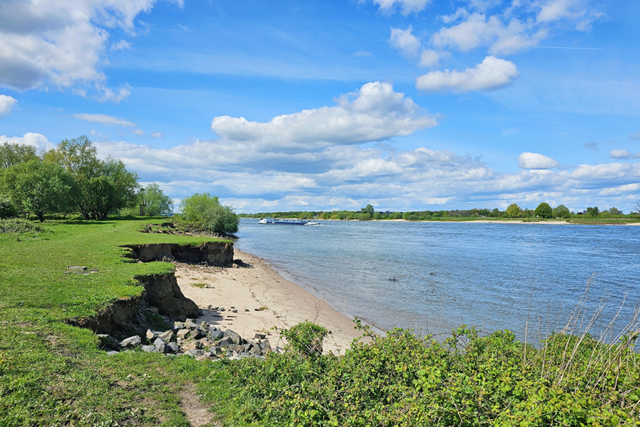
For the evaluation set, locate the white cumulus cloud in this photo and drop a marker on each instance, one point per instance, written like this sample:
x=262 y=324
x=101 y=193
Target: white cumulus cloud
x=405 y=42
x=156 y=134
x=139 y=132
x=120 y=45
x=536 y=161
x=372 y=113
x=622 y=154
x=407 y=6
x=6 y=104
x=48 y=42
x=104 y=119
x=429 y=58
x=40 y=142
x=492 y=73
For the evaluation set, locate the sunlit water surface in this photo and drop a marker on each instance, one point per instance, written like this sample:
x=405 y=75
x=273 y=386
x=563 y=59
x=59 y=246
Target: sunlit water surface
x=437 y=276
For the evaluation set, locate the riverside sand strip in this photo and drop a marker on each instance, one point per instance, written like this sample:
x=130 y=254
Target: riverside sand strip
x=256 y=298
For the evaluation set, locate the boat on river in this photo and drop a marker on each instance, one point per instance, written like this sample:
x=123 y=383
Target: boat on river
x=283 y=221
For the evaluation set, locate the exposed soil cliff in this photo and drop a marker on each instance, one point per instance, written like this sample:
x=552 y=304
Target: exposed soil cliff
x=213 y=253
x=161 y=295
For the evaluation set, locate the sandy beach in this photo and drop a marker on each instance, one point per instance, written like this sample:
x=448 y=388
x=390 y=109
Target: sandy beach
x=263 y=299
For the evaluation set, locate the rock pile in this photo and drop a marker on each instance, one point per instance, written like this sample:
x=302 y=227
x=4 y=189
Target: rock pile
x=203 y=342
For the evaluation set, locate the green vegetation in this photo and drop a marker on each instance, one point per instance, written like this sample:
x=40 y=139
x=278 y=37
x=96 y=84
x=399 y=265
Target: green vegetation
x=52 y=373
x=402 y=380
x=202 y=212
x=55 y=374
x=513 y=212
x=19 y=226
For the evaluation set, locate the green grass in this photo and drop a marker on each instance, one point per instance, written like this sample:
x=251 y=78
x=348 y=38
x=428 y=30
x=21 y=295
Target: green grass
x=54 y=374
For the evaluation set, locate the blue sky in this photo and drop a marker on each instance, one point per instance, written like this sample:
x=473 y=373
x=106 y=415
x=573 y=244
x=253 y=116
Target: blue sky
x=291 y=105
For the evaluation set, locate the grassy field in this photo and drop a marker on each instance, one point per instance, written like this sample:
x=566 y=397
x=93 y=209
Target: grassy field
x=54 y=374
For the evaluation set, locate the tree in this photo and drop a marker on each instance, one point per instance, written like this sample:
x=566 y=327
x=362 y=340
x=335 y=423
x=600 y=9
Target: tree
x=615 y=211
x=94 y=176
x=367 y=210
x=544 y=210
x=594 y=212
x=513 y=211
x=561 y=211
x=40 y=188
x=207 y=213
x=157 y=203
x=12 y=154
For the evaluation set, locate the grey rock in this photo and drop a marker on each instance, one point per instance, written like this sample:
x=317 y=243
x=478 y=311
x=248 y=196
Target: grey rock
x=216 y=351
x=178 y=325
x=167 y=336
x=234 y=310
x=151 y=335
x=236 y=348
x=212 y=329
x=225 y=342
x=112 y=352
x=260 y=336
x=194 y=353
x=163 y=348
x=190 y=324
x=182 y=333
x=197 y=333
x=148 y=348
x=255 y=350
x=199 y=345
x=158 y=342
x=131 y=342
x=233 y=336
x=266 y=346
x=175 y=348
x=216 y=335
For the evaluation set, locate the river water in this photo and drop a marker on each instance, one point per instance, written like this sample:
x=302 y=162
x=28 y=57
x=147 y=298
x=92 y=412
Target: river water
x=433 y=277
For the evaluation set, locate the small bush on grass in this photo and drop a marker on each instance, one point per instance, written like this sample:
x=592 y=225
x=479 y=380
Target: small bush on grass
x=19 y=226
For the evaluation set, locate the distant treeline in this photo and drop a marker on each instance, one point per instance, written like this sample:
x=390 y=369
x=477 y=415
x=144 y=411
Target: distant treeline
x=544 y=211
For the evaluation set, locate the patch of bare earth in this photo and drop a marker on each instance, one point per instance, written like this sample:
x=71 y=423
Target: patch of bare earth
x=197 y=413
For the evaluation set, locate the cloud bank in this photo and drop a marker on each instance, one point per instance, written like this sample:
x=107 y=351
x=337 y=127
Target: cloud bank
x=374 y=112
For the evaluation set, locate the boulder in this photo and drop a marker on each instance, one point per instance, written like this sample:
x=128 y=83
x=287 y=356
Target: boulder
x=225 y=342
x=131 y=342
x=175 y=348
x=216 y=335
x=236 y=348
x=177 y=326
x=148 y=348
x=260 y=336
x=151 y=335
x=233 y=336
x=182 y=333
x=197 y=333
x=166 y=336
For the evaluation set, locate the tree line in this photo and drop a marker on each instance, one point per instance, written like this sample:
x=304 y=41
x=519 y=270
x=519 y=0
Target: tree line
x=543 y=210
x=70 y=179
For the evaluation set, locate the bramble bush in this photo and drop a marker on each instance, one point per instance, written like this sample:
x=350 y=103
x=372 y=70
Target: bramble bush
x=469 y=380
x=19 y=226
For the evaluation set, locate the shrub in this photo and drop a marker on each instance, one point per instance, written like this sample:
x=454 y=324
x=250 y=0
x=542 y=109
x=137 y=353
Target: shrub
x=305 y=338
x=205 y=213
x=561 y=211
x=7 y=210
x=19 y=226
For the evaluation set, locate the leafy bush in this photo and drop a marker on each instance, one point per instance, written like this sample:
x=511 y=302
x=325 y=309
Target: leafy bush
x=19 y=226
x=305 y=338
x=7 y=210
x=203 y=212
x=402 y=380
x=513 y=211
